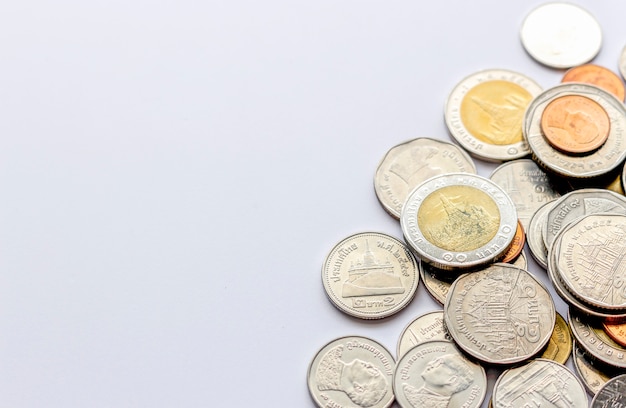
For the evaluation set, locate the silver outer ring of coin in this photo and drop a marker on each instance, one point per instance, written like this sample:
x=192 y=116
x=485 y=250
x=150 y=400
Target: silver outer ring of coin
x=476 y=147
x=575 y=204
x=622 y=63
x=444 y=259
x=478 y=334
x=603 y=349
x=517 y=381
x=410 y=386
x=561 y=35
x=603 y=160
x=572 y=300
x=590 y=375
x=363 y=353
x=449 y=157
x=573 y=279
x=612 y=394
x=426 y=327
x=372 y=306
x=534 y=235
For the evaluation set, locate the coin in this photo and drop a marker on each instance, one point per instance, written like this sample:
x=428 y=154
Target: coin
x=592 y=338
x=561 y=35
x=437 y=374
x=528 y=186
x=622 y=63
x=597 y=163
x=520 y=262
x=519 y=239
x=534 y=234
x=352 y=372
x=575 y=124
x=616 y=331
x=484 y=113
x=559 y=346
x=612 y=394
x=592 y=376
x=500 y=314
x=408 y=164
x=370 y=275
x=436 y=281
x=596 y=75
x=590 y=260
x=424 y=328
x=458 y=220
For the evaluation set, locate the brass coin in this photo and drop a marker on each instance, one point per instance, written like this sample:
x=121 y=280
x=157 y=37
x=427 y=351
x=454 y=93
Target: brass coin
x=559 y=346
x=596 y=75
x=617 y=332
x=519 y=239
x=575 y=124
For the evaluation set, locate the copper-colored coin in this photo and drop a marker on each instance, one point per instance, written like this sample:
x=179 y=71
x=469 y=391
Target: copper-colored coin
x=617 y=332
x=575 y=124
x=596 y=75
x=519 y=239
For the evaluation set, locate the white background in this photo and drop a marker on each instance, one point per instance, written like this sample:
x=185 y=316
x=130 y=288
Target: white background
x=173 y=174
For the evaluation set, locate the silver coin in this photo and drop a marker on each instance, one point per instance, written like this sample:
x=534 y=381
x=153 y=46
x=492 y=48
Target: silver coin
x=561 y=35
x=592 y=376
x=578 y=203
x=424 y=328
x=352 y=372
x=407 y=165
x=437 y=281
x=594 y=340
x=612 y=394
x=597 y=163
x=437 y=374
x=622 y=63
x=590 y=260
x=499 y=315
x=528 y=186
x=539 y=383
x=484 y=113
x=370 y=275
x=534 y=234
x=520 y=262
x=458 y=220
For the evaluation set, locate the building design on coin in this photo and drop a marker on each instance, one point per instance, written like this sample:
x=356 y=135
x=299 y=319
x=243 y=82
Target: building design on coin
x=370 y=276
x=443 y=377
x=362 y=382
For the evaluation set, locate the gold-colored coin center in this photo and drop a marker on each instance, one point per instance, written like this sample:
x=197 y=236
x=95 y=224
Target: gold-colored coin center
x=493 y=112
x=458 y=218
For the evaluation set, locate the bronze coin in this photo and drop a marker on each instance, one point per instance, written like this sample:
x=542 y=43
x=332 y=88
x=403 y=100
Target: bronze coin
x=519 y=239
x=617 y=332
x=596 y=75
x=575 y=124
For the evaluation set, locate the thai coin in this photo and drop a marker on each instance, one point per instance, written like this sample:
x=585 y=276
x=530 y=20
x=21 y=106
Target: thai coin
x=599 y=162
x=370 y=275
x=534 y=234
x=590 y=260
x=579 y=203
x=352 y=372
x=622 y=63
x=437 y=374
x=528 y=186
x=437 y=281
x=515 y=249
x=425 y=328
x=592 y=376
x=612 y=394
x=500 y=315
x=596 y=75
x=539 y=383
x=459 y=221
x=559 y=346
x=561 y=35
x=520 y=262
x=595 y=341
x=616 y=331
x=407 y=165
x=485 y=111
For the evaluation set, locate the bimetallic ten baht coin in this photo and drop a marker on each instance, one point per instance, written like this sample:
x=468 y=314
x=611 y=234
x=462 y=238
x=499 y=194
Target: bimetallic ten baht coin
x=539 y=383
x=561 y=35
x=424 y=328
x=459 y=221
x=437 y=374
x=592 y=338
x=370 y=275
x=485 y=111
x=407 y=165
x=592 y=376
x=352 y=372
x=528 y=186
x=612 y=394
x=559 y=347
x=594 y=164
x=499 y=315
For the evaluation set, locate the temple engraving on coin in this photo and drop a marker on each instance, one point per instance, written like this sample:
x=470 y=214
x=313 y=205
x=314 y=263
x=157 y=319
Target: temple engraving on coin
x=361 y=381
x=370 y=276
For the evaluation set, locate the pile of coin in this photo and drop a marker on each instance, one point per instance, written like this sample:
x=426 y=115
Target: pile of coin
x=464 y=236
